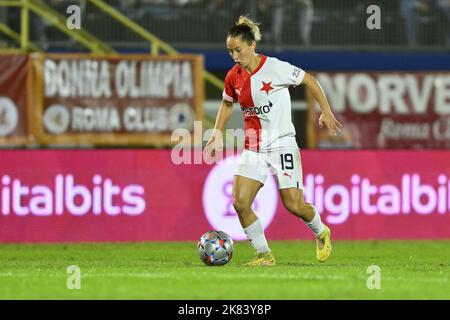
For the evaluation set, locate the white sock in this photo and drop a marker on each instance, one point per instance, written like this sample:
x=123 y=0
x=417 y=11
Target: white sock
x=316 y=224
x=255 y=234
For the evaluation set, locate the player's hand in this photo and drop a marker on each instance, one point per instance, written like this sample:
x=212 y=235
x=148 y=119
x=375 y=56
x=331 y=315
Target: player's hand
x=214 y=145
x=328 y=119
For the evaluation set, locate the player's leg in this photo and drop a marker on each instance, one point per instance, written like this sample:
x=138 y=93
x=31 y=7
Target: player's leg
x=287 y=165
x=293 y=201
x=244 y=193
x=250 y=176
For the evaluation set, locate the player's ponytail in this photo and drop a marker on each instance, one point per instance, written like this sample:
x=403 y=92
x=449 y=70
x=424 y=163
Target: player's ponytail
x=247 y=29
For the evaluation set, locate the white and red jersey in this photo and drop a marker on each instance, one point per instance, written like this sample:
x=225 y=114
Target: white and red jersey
x=265 y=102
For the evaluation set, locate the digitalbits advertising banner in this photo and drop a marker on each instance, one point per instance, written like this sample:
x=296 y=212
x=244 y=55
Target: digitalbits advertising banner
x=142 y=195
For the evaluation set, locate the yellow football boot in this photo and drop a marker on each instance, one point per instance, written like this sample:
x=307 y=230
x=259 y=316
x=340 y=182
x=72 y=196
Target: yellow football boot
x=324 y=238
x=265 y=259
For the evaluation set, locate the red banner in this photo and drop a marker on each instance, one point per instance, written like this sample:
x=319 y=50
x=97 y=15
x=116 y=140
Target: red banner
x=13 y=99
x=83 y=99
x=386 y=110
x=142 y=195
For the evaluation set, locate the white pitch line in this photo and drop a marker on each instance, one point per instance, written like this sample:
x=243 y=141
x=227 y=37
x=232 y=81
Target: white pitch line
x=230 y=275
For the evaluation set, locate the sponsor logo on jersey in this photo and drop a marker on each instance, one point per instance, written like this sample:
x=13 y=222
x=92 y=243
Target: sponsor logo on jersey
x=254 y=111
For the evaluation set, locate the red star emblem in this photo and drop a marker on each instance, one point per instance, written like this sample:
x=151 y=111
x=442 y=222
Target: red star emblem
x=266 y=87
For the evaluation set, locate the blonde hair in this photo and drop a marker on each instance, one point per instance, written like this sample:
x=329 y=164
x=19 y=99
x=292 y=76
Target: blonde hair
x=246 y=21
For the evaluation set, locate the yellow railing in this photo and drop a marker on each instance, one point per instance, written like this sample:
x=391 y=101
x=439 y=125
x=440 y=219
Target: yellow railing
x=85 y=38
x=47 y=13
x=16 y=37
x=82 y=36
x=156 y=43
x=24 y=21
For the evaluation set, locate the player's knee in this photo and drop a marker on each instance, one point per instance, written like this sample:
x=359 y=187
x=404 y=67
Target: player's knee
x=241 y=205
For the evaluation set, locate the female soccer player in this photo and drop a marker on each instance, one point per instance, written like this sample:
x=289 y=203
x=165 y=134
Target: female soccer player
x=260 y=84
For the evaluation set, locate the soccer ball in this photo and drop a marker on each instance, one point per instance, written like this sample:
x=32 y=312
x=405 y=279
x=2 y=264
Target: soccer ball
x=215 y=248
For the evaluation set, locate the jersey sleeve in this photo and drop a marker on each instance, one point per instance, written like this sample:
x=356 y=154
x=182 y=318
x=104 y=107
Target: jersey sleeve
x=229 y=94
x=289 y=74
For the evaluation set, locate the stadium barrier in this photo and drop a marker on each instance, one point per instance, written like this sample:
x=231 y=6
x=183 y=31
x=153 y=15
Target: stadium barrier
x=141 y=195
x=15 y=92
x=98 y=100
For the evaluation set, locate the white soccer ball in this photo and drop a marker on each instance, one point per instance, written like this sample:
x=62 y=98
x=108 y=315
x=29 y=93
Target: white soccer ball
x=215 y=248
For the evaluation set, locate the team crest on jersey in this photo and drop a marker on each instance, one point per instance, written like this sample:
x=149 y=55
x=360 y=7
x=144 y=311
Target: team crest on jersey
x=266 y=87
x=237 y=92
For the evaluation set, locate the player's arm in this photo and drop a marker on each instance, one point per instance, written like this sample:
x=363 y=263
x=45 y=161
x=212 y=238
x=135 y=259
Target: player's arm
x=327 y=116
x=224 y=114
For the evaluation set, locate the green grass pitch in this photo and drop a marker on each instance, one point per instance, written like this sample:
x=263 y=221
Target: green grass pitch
x=172 y=270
